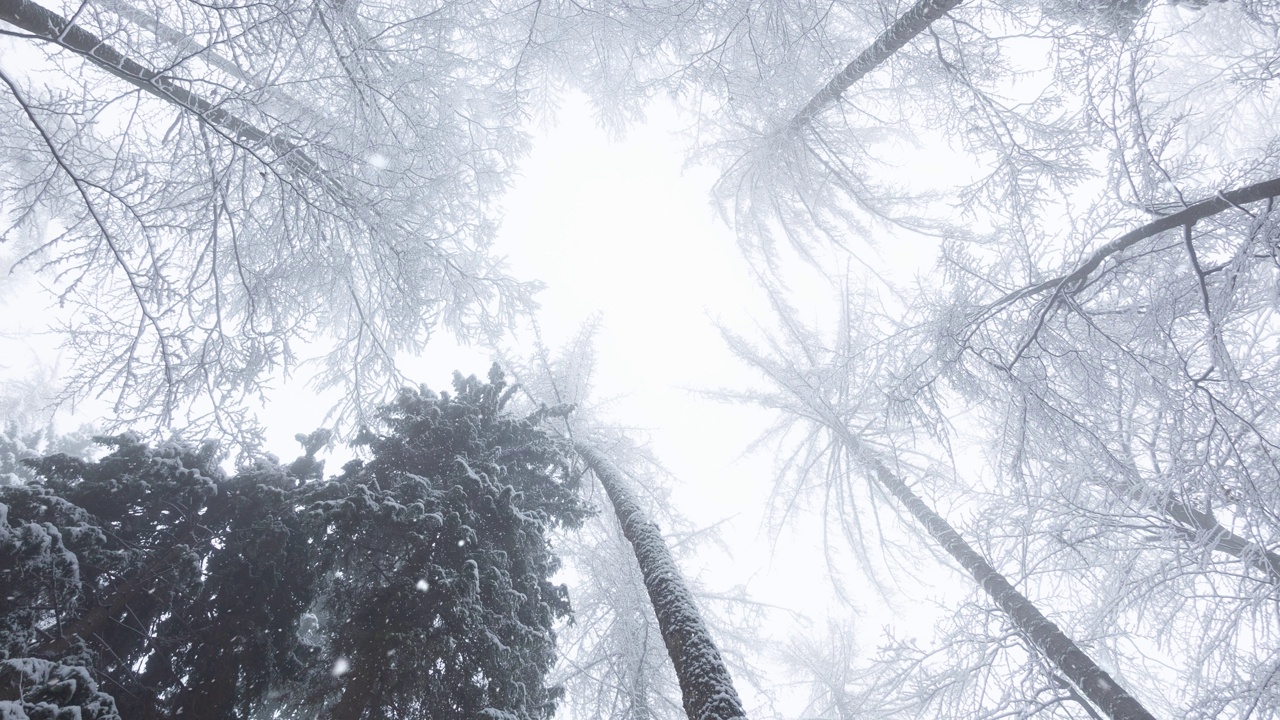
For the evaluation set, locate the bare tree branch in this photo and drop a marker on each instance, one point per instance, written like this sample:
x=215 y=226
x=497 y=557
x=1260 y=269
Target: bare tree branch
x=1199 y=211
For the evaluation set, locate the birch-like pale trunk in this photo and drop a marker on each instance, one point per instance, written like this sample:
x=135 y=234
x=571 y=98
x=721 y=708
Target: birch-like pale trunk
x=1044 y=635
x=705 y=684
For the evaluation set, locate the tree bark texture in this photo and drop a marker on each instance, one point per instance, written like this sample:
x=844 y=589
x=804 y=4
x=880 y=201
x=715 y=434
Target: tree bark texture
x=907 y=26
x=1092 y=681
x=705 y=683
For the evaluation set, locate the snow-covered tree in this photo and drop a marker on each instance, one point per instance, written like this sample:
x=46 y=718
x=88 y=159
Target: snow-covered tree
x=414 y=584
x=645 y=648
x=214 y=193
x=1129 y=398
x=706 y=687
x=1097 y=180
x=845 y=428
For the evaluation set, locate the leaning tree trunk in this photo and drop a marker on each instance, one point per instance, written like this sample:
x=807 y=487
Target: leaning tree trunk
x=705 y=684
x=911 y=23
x=1090 y=680
x=52 y=27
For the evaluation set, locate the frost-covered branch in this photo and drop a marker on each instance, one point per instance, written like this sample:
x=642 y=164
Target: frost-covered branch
x=256 y=233
x=1223 y=201
x=50 y=26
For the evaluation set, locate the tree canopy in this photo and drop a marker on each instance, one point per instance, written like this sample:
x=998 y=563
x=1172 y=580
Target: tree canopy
x=1074 y=397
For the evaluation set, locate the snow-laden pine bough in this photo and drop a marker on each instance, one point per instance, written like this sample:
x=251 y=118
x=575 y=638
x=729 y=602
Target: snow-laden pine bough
x=416 y=584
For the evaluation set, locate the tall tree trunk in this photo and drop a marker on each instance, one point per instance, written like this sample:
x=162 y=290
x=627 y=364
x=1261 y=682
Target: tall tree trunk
x=907 y=26
x=705 y=684
x=52 y=27
x=1090 y=680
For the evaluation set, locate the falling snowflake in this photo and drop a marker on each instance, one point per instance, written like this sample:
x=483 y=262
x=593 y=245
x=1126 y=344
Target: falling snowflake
x=422 y=585
x=340 y=667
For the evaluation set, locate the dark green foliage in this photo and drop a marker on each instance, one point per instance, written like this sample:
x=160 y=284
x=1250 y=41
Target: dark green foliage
x=413 y=585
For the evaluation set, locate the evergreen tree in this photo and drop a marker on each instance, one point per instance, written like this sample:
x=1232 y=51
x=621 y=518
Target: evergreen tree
x=415 y=584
